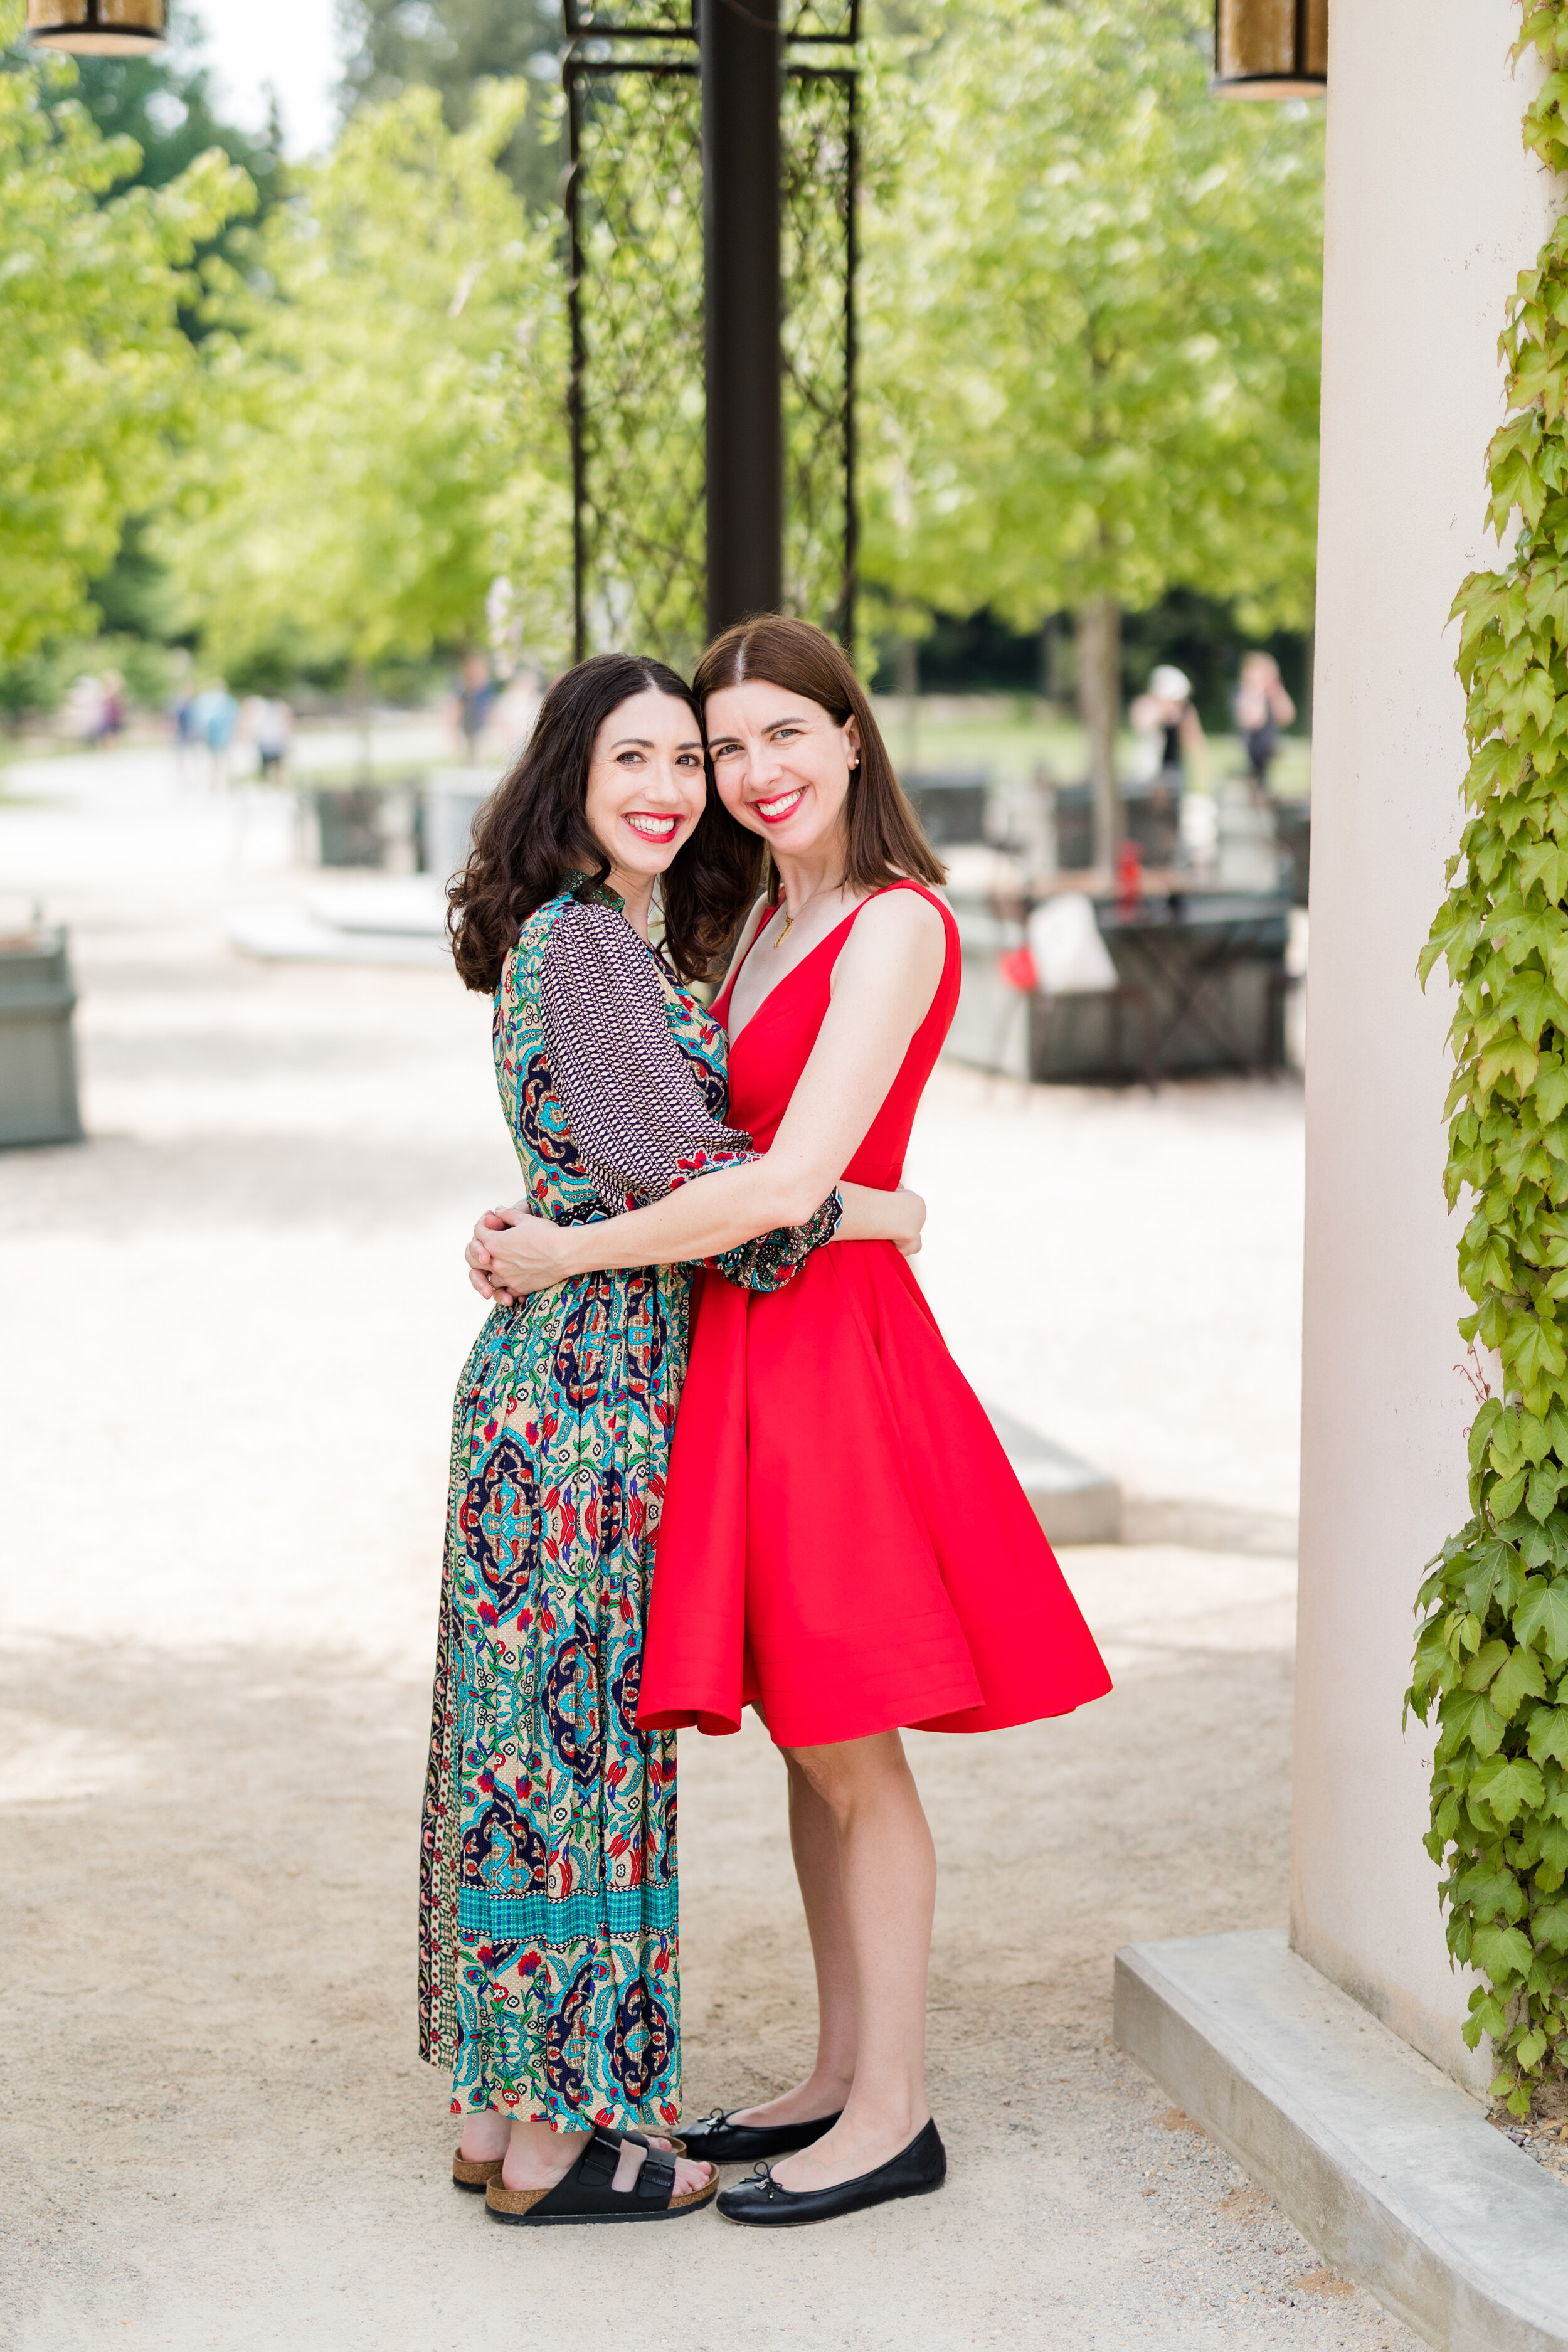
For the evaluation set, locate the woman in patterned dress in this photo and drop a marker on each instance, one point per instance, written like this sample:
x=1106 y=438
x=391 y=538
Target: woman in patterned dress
x=548 y=1947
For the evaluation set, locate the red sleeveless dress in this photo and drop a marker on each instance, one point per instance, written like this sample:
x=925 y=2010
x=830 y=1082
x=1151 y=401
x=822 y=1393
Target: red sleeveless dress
x=843 y=1542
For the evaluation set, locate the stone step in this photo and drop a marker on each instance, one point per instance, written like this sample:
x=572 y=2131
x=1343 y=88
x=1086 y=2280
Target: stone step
x=1385 y=2165
x=1074 y=1502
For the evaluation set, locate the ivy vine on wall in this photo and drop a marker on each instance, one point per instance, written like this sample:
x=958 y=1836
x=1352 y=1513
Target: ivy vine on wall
x=1492 y=1651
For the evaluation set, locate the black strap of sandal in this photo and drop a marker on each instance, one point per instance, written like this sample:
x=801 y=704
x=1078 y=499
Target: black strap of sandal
x=656 y=2180
x=586 y=2188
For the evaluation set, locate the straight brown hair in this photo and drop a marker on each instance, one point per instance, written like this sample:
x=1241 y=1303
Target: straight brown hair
x=887 y=842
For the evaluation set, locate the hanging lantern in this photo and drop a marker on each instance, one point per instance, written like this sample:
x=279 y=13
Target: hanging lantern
x=98 y=29
x=1272 y=49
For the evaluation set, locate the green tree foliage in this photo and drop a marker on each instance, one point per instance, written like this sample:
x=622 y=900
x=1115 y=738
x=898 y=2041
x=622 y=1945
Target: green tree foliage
x=164 y=102
x=1091 y=304
x=386 y=425
x=1491 y=1655
x=451 y=46
x=97 y=384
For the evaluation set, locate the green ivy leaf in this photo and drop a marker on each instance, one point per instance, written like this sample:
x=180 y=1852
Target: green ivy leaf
x=1503 y=1952
x=1470 y=1714
x=1511 y=1054
x=1519 y=1679
x=1542 y=1492
x=1532 y=1352
x=1506 y=1496
x=1481 y=1429
x=1541 y=1616
x=1489 y=1658
x=1550 y=1926
x=1532 y=1004
x=1549 y=1734
x=1506 y=1784
x=1487 y=1892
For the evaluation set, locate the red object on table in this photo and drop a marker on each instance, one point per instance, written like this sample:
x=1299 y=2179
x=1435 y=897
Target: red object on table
x=1128 y=878
x=1018 y=969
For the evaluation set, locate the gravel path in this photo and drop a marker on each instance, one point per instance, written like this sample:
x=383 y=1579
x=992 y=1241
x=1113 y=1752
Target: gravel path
x=235 y=1318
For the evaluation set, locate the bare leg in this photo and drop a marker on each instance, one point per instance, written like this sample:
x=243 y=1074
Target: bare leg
x=485 y=2136
x=887 y=1874
x=814 y=1841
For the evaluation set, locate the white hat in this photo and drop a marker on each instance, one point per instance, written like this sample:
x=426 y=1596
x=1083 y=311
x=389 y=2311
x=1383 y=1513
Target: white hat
x=1172 y=685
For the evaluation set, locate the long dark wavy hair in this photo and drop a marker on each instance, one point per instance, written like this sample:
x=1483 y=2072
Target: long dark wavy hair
x=532 y=834
x=887 y=842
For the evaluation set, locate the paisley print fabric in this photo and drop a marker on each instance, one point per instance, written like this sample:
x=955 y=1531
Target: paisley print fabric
x=549 y=1975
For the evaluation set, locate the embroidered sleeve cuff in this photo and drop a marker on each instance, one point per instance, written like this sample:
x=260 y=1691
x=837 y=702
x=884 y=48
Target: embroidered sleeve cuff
x=774 y=1259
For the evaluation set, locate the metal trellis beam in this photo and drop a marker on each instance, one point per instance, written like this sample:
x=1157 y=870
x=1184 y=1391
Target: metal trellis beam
x=713 y=315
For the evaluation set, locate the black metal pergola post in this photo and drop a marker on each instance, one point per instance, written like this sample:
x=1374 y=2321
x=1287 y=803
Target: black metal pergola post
x=742 y=77
x=710 y=202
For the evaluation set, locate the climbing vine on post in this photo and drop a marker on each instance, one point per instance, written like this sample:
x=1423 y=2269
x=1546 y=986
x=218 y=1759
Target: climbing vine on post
x=1492 y=1650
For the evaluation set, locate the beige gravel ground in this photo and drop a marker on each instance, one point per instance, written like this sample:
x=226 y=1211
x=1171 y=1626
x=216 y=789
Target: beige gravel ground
x=232 y=1324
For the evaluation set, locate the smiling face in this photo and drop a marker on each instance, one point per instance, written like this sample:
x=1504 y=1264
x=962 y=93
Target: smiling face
x=646 y=785
x=782 y=764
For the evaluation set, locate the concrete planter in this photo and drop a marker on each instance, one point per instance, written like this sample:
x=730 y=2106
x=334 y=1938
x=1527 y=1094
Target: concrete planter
x=37 y=1050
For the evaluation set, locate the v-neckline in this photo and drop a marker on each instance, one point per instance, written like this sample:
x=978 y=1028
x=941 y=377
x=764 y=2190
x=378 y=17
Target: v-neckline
x=735 y=1035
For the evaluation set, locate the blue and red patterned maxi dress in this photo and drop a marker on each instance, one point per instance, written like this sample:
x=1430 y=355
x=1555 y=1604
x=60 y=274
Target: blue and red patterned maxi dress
x=548 y=1979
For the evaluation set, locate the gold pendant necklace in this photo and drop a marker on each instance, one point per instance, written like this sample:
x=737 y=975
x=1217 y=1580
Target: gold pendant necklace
x=784 y=929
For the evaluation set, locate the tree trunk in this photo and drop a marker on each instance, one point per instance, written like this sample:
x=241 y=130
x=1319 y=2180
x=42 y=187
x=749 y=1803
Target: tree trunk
x=1097 y=634
x=359 y=698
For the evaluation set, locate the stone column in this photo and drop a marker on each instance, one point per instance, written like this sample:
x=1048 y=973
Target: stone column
x=1433 y=207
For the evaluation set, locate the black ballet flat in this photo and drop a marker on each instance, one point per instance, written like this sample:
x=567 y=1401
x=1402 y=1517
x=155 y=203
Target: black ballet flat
x=767 y=2204
x=716 y=2140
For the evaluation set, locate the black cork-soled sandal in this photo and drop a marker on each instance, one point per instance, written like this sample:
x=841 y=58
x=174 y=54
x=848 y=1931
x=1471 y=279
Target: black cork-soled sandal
x=475 y=2172
x=585 y=2194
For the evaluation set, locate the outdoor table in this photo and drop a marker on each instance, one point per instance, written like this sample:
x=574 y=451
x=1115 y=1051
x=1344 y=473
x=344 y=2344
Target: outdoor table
x=1202 y=987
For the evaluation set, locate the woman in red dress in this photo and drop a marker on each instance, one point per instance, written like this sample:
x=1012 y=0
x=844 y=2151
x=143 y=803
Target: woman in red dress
x=844 y=1545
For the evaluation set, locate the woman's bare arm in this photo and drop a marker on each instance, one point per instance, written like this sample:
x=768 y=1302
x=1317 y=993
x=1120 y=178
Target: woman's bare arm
x=884 y=980
x=867 y=1215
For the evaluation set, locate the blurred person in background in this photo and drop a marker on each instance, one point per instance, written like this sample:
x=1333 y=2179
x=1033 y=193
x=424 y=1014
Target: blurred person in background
x=549 y=1956
x=181 y=712
x=270 y=723
x=476 y=692
x=217 y=716
x=1165 y=717
x=86 y=706
x=513 y=712
x=1262 y=708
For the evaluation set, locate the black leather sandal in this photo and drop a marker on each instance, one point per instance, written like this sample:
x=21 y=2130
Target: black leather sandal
x=716 y=2140
x=767 y=2204
x=584 y=2193
x=477 y=2172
